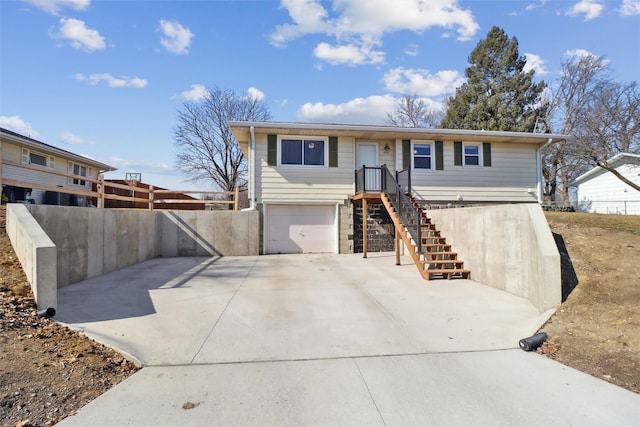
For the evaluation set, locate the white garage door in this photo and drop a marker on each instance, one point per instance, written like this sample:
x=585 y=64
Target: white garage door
x=295 y=229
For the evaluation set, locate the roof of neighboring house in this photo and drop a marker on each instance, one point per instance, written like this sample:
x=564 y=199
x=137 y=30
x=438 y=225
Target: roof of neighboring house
x=242 y=130
x=26 y=141
x=615 y=161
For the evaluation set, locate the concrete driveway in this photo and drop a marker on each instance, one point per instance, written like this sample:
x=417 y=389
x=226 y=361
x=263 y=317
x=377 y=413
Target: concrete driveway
x=325 y=340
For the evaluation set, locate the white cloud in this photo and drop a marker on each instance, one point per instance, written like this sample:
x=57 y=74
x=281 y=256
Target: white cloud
x=196 y=93
x=350 y=54
x=18 y=125
x=412 y=50
x=256 y=94
x=73 y=139
x=630 y=7
x=581 y=53
x=535 y=63
x=177 y=38
x=308 y=16
x=422 y=82
x=591 y=9
x=80 y=37
x=371 y=110
x=134 y=166
x=54 y=6
x=94 y=79
x=358 y=25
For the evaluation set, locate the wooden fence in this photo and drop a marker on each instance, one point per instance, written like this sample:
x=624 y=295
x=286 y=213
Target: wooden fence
x=152 y=197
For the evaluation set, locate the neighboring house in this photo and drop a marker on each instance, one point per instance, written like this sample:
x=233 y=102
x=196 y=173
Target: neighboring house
x=36 y=172
x=302 y=177
x=599 y=191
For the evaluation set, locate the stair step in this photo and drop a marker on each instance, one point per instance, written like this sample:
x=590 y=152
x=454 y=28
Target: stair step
x=452 y=264
x=436 y=247
x=448 y=274
x=434 y=240
x=444 y=255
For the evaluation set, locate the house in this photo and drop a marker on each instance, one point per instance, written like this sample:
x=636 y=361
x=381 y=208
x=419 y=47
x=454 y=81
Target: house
x=312 y=182
x=36 y=172
x=600 y=191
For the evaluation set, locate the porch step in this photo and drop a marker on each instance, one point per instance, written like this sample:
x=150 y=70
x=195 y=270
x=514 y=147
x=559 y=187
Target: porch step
x=448 y=274
x=434 y=256
x=451 y=264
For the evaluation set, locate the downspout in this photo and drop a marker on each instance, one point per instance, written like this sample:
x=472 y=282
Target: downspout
x=252 y=167
x=539 y=168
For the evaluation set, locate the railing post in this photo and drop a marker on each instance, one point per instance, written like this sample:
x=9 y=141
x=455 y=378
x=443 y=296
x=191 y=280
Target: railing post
x=383 y=178
x=236 y=199
x=409 y=180
x=151 y=197
x=364 y=179
x=100 y=188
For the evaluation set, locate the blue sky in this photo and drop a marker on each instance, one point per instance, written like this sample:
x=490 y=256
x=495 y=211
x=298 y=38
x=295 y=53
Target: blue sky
x=105 y=78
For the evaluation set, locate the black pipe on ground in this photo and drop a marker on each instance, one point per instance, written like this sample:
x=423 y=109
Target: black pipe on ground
x=49 y=312
x=533 y=342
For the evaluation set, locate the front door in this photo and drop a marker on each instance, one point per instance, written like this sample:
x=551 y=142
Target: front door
x=367 y=155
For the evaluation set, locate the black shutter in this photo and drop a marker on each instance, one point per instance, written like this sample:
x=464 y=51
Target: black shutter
x=333 y=151
x=457 y=153
x=486 y=153
x=272 y=150
x=406 y=154
x=439 y=156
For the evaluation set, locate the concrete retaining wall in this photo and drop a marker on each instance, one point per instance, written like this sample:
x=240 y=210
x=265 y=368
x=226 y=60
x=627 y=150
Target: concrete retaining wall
x=36 y=252
x=89 y=242
x=509 y=247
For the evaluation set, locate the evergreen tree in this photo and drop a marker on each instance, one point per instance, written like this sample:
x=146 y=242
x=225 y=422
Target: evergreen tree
x=498 y=94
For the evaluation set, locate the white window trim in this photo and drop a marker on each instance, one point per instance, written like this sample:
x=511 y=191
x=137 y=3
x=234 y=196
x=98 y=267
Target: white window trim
x=80 y=177
x=303 y=137
x=26 y=158
x=433 y=155
x=464 y=157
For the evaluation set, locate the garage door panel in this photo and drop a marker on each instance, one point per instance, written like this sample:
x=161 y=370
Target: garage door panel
x=296 y=229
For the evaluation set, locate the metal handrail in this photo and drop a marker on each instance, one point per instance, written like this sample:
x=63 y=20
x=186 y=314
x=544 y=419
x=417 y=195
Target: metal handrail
x=369 y=179
x=409 y=216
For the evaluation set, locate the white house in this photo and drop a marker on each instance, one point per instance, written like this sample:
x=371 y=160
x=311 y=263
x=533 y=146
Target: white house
x=31 y=170
x=600 y=191
x=302 y=177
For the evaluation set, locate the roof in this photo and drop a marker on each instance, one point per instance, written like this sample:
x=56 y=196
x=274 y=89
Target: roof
x=615 y=161
x=241 y=130
x=35 y=144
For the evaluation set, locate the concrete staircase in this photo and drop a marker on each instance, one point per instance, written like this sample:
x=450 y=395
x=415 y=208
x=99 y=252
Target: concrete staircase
x=436 y=260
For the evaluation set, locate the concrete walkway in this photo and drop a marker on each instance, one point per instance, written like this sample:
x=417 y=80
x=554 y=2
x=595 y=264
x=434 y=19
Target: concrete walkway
x=324 y=340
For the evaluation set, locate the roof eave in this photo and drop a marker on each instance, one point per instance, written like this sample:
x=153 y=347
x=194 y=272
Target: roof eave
x=238 y=128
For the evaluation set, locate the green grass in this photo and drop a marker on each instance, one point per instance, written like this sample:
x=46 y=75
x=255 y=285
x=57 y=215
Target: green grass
x=630 y=223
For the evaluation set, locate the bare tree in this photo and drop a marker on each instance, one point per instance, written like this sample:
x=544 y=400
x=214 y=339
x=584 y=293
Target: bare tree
x=206 y=148
x=412 y=111
x=609 y=125
x=601 y=116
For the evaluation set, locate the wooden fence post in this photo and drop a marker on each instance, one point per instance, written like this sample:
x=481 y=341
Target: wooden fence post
x=236 y=199
x=100 y=188
x=151 y=197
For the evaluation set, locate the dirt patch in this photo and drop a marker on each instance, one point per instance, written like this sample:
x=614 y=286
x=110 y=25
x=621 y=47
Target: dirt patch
x=597 y=329
x=48 y=372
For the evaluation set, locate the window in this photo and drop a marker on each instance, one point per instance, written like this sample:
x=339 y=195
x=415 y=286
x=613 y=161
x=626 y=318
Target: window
x=303 y=152
x=32 y=158
x=78 y=170
x=422 y=156
x=472 y=155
